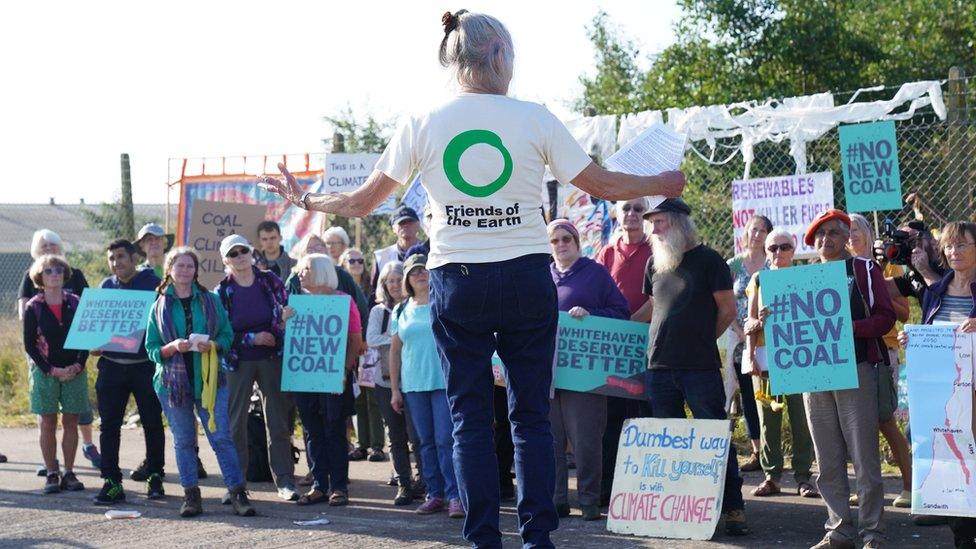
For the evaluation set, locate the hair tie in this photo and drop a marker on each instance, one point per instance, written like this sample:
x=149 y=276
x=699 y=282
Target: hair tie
x=450 y=22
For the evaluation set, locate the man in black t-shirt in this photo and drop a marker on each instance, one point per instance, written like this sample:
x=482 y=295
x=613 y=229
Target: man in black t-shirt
x=690 y=287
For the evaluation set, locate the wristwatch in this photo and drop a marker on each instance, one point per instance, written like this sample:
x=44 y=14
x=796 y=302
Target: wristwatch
x=302 y=202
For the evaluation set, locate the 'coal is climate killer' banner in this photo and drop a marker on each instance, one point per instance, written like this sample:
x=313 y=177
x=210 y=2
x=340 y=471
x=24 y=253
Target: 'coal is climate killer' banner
x=315 y=344
x=600 y=355
x=809 y=334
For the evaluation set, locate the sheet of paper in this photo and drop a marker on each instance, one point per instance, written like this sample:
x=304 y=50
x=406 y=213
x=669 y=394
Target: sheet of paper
x=658 y=149
x=196 y=340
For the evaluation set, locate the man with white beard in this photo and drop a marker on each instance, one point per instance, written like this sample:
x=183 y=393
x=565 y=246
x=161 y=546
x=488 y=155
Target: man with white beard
x=692 y=304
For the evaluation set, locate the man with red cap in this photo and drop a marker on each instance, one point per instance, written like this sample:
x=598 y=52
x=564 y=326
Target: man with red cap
x=845 y=423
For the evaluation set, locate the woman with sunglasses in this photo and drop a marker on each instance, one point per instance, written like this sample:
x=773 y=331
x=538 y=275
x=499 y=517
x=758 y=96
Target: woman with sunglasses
x=254 y=300
x=743 y=266
x=583 y=287
x=58 y=383
x=779 y=252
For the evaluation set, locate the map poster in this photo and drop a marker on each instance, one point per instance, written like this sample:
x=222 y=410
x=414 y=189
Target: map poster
x=940 y=396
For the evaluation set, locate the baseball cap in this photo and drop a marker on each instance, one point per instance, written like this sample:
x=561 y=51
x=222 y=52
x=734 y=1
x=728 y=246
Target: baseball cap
x=233 y=241
x=403 y=213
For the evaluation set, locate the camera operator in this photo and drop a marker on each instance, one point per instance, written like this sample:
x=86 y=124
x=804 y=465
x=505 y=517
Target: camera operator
x=914 y=246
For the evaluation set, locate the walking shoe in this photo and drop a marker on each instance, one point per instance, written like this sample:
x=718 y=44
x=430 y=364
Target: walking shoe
x=110 y=494
x=306 y=480
x=141 y=473
x=751 y=464
x=242 y=506
x=91 y=453
x=53 y=484
x=404 y=496
x=832 y=543
x=201 y=472
x=70 y=482
x=377 y=455
x=904 y=499
x=225 y=499
x=563 y=510
x=288 y=493
x=431 y=506
x=455 y=509
x=192 y=506
x=154 y=487
x=735 y=523
x=591 y=512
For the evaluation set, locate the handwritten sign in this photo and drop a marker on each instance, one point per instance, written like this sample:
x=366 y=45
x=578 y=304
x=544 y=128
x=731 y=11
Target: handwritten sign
x=346 y=172
x=940 y=393
x=809 y=334
x=315 y=344
x=791 y=202
x=869 y=158
x=110 y=320
x=669 y=477
x=210 y=223
x=601 y=355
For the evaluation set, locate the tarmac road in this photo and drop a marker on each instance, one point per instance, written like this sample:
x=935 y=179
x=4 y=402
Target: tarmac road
x=28 y=518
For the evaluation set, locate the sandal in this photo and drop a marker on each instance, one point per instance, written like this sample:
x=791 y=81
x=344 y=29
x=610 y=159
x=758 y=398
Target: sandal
x=311 y=498
x=767 y=488
x=806 y=490
x=357 y=455
x=338 y=498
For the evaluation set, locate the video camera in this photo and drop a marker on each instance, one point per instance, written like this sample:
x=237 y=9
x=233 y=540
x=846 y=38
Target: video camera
x=897 y=245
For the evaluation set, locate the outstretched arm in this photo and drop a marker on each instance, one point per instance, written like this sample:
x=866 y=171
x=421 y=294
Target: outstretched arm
x=621 y=186
x=358 y=203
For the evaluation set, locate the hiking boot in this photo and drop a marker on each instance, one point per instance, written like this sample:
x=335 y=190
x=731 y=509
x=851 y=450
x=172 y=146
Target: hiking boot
x=455 y=509
x=404 y=496
x=242 y=506
x=154 y=487
x=832 y=543
x=70 y=482
x=110 y=494
x=53 y=484
x=591 y=512
x=90 y=451
x=431 y=506
x=192 y=506
x=735 y=523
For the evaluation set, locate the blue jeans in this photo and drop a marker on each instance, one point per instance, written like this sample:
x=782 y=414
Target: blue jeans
x=669 y=390
x=328 y=448
x=184 y=428
x=476 y=309
x=432 y=420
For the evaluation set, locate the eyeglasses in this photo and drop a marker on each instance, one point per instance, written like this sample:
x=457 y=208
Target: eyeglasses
x=779 y=248
x=957 y=247
x=565 y=240
x=234 y=253
x=56 y=270
x=832 y=233
x=359 y=261
x=636 y=209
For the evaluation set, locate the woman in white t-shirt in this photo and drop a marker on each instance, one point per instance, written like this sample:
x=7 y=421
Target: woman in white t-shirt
x=482 y=157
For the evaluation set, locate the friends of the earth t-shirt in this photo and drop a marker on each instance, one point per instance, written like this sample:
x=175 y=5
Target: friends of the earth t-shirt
x=482 y=159
x=420 y=365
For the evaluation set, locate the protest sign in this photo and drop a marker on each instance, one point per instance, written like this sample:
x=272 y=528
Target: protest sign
x=940 y=393
x=791 y=202
x=110 y=320
x=601 y=355
x=809 y=334
x=315 y=344
x=210 y=223
x=346 y=172
x=669 y=477
x=367 y=376
x=869 y=159
x=498 y=370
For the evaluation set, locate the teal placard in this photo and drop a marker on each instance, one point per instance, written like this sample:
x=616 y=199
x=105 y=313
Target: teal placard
x=809 y=335
x=110 y=320
x=315 y=344
x=601 y=355
x=869 y=159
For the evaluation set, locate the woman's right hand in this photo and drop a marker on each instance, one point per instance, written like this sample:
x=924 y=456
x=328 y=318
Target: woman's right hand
x=670 y=184
x=396 y=401
x=178 y=345
x=289 y=189
x=264 y=339
x=752 y=326
x=903 y=339
x=763 y=314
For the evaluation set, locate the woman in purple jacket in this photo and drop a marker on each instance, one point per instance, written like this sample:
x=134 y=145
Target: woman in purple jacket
x=584 y=287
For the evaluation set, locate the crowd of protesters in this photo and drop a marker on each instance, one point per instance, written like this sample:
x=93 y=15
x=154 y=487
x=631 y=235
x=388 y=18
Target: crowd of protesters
x=429 y=316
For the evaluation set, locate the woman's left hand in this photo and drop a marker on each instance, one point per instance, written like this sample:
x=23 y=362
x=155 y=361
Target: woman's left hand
x=205 y=346
x=287 y=313
x=968 y=326
x=289 y=189
x=578 y=313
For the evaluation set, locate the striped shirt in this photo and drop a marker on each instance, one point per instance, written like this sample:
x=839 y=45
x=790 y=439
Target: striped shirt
x=954 y=309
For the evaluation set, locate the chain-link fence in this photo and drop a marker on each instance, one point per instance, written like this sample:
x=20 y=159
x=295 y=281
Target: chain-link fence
x=935 y=157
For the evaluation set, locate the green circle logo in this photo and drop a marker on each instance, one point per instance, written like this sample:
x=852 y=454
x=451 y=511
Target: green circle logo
x=452 y=162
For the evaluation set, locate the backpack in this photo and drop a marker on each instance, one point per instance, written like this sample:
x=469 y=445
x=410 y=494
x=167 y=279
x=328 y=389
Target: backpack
x=258 y=463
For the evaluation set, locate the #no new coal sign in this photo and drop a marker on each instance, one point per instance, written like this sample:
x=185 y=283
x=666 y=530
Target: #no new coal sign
x=809 y=335
x=869 y=159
